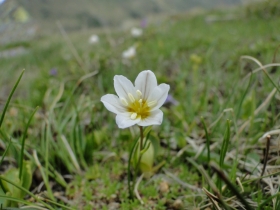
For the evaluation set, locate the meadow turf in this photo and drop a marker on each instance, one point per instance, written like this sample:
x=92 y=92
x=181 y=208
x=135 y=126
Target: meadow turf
x=212 y=141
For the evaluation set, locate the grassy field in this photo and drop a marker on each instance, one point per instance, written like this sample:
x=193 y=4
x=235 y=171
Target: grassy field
x=84 y=14
x=218 y=146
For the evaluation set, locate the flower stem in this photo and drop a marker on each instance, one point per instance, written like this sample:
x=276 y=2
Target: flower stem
x=129 y=177
x=137 y=166
x=141 y=138
x=133 y=151
x=129 y=171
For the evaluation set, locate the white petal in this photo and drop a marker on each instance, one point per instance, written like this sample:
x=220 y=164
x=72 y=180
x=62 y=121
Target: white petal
x=124 y=120
x=129 y=53
x=123 y=86
x=113 y=104
x=154 y=119
x=159 y=94
x=146 y=81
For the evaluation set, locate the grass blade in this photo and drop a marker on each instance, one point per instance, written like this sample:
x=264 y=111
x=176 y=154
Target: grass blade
x=230 y=185
x=9 y=98
x=5 y=152
x=210 y=183
x=45 y=177
x=224 y=151
x=207 y=140
x=23 y=142
x=225 y=144
x=243 y=96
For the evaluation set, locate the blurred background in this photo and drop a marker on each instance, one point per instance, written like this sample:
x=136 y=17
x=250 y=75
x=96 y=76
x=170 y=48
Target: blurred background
x=21 y=18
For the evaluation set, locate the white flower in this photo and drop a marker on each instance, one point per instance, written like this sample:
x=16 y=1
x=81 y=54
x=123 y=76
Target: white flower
x=136 y=32
x=137 y=104
x=93 y=39
x=129 y=53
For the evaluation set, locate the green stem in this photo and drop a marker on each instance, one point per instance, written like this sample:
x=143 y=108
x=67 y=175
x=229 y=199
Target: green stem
x=140 y=154
x=141 y=151
x=141 y=138
x=130 y=191
x=134 y=151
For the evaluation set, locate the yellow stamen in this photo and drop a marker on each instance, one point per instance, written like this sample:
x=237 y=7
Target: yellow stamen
x=138 y=107
x=133 y=116
x=130 y=96
x=139 y=93
x=124 y=102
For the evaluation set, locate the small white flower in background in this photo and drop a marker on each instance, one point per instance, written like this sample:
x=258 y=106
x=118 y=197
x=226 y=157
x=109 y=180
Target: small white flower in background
x=136 y=32
x=137 y=104
x=129 y=53
x=93 y=39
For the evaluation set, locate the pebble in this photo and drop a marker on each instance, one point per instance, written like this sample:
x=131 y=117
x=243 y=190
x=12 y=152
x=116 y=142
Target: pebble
x=163 y=187
x=178 y=204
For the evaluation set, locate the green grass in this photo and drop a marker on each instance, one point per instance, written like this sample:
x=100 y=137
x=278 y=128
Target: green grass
x=86 y=14
x=83 y=156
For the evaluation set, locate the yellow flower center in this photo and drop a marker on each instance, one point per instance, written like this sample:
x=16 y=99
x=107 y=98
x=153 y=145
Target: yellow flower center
x=138 y=107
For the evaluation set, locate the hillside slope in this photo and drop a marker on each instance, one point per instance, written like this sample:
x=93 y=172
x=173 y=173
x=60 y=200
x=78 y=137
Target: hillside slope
x=94 y=13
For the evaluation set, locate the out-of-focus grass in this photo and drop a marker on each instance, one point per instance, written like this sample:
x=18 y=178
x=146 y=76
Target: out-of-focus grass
x=85 y=155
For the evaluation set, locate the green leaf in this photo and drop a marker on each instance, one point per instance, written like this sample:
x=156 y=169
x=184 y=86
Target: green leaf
x=13 y=191
x=3 y=201
x=26 y=175
x=147 y=159
x=13 y=175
